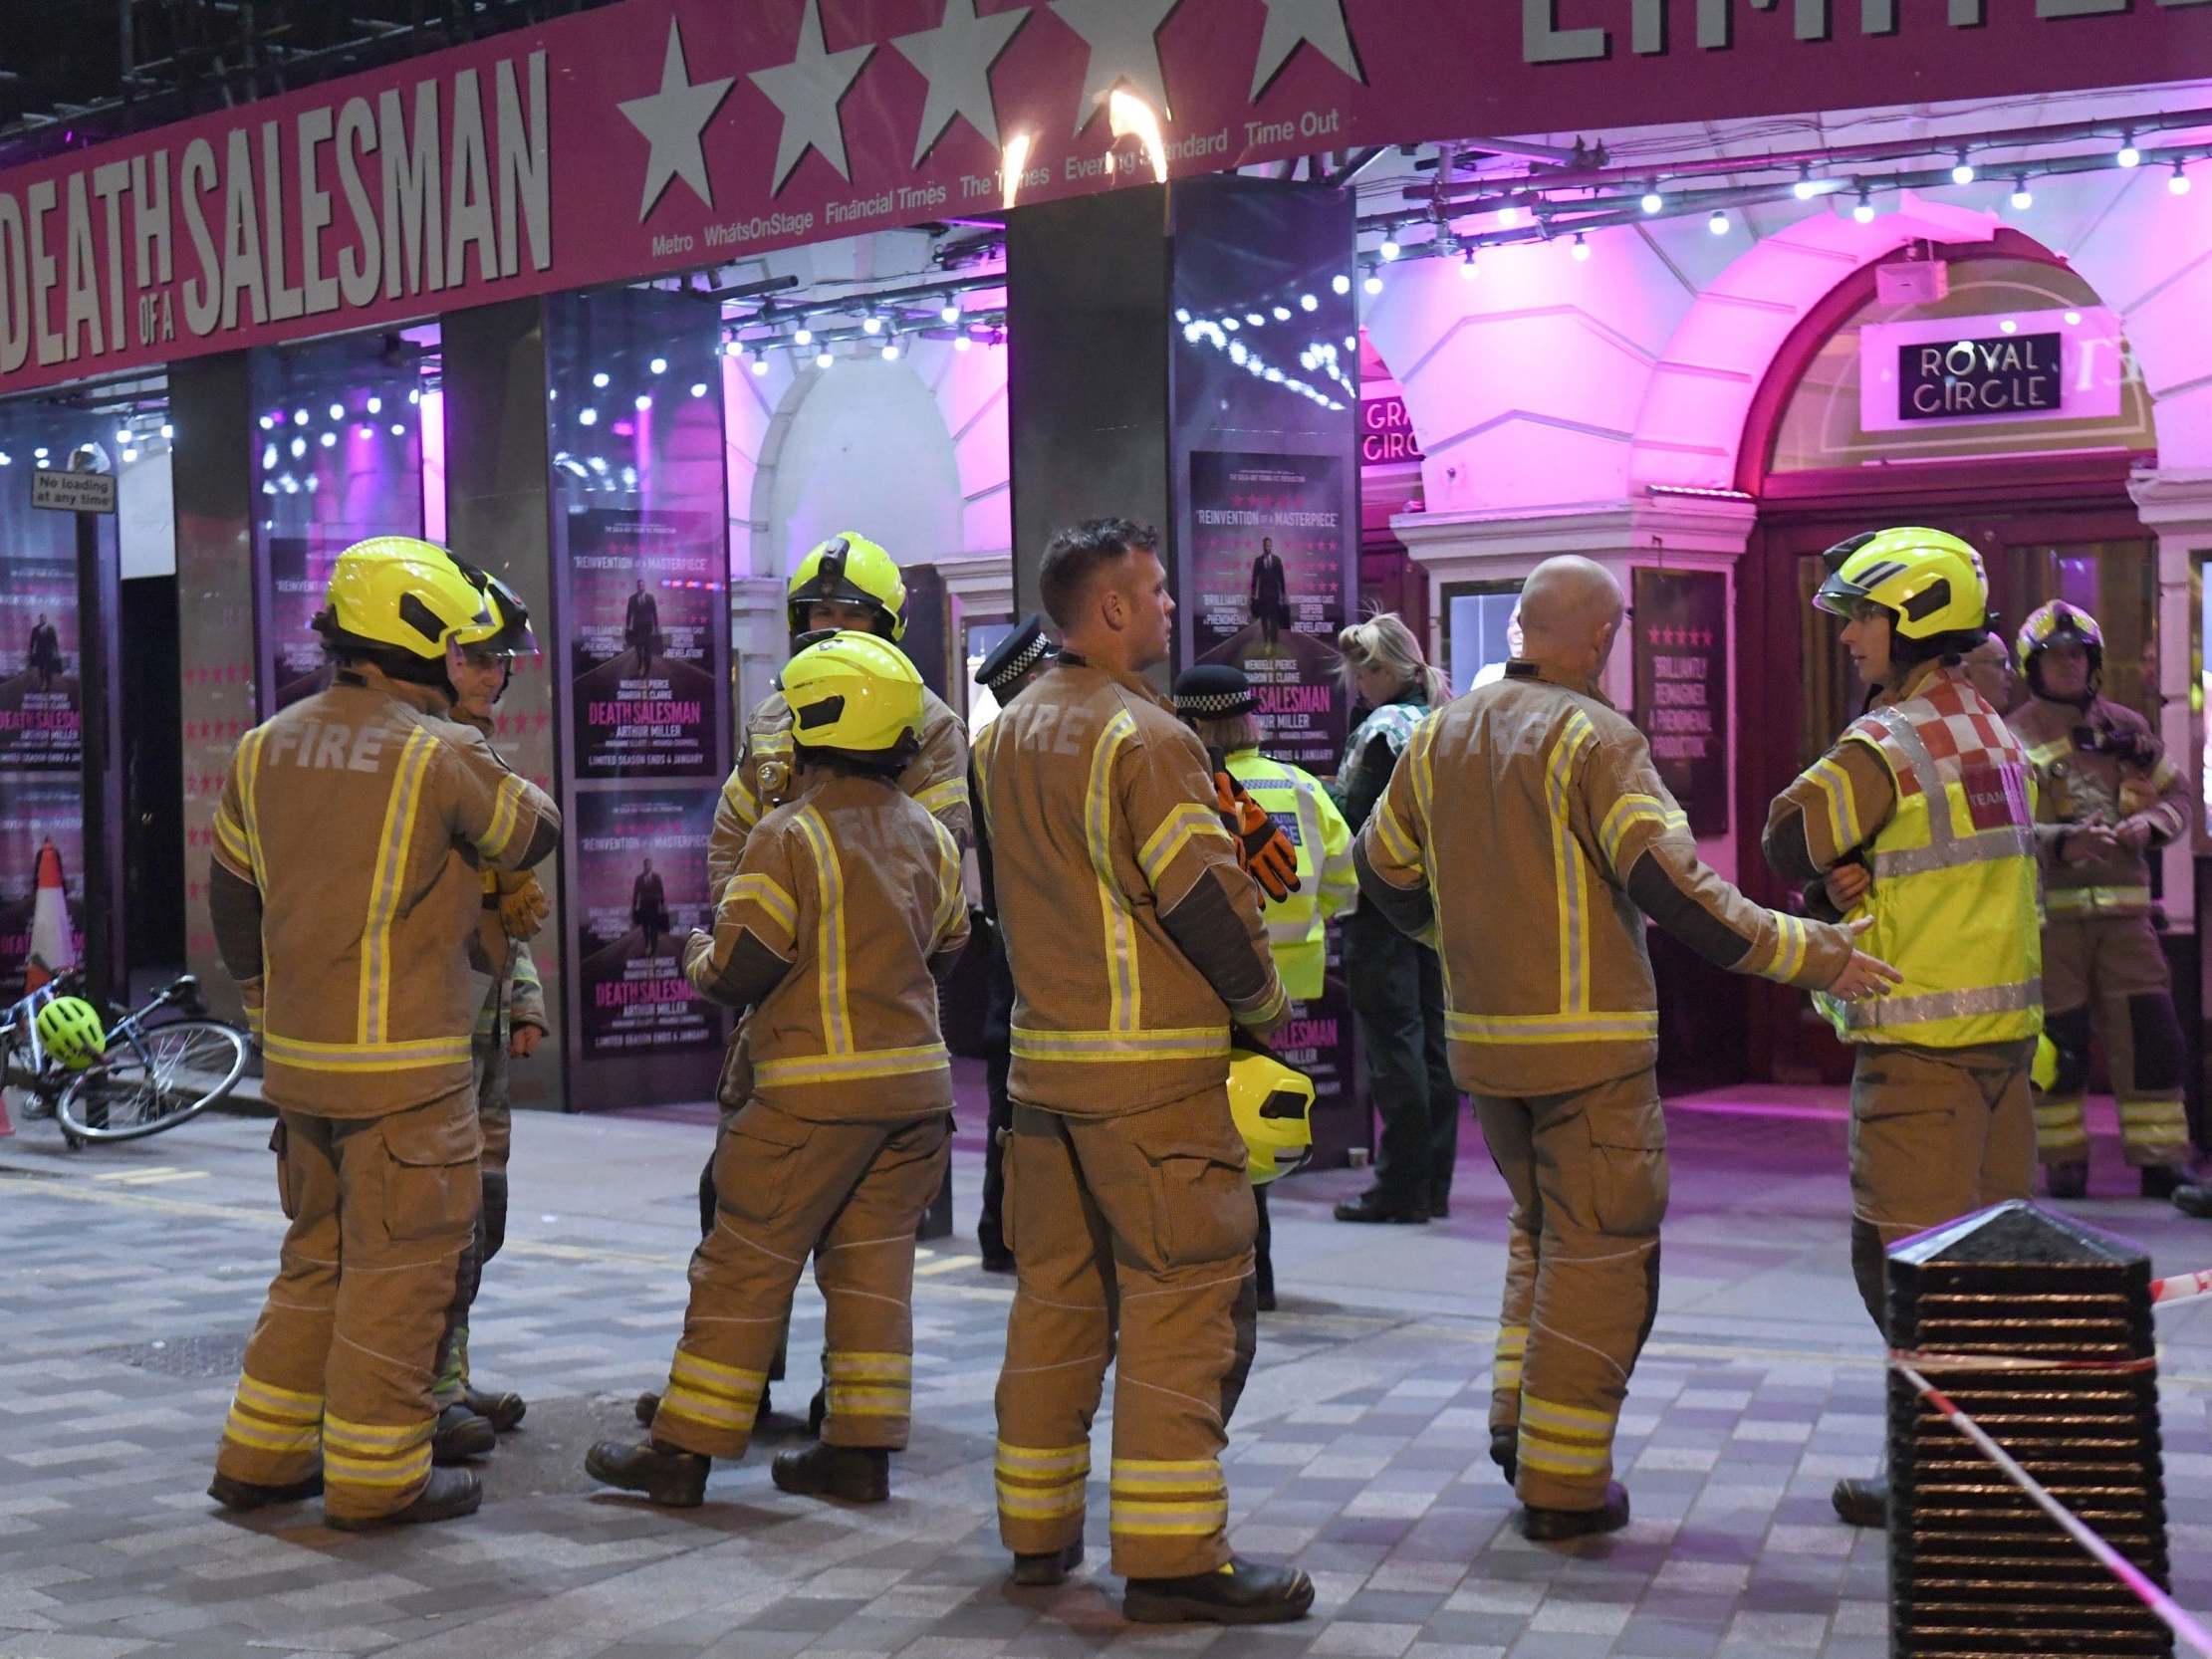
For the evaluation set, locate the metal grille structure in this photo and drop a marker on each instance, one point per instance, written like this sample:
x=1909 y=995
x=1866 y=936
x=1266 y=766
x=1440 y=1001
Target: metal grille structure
x=2062 y=1312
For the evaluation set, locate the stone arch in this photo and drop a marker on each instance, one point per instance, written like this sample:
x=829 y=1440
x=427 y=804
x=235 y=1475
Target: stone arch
x=2148 y=254
x=1698 y=400
x=916 y=449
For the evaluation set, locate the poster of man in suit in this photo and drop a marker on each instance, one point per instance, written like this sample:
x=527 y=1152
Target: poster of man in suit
x=1268 y=565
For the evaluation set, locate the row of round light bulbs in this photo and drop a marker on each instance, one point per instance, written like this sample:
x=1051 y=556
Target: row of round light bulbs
x=871 y=325
x=2127 y=156
x=1720 y=223
x=370 y=407
x=891 y=350
x=126 y=441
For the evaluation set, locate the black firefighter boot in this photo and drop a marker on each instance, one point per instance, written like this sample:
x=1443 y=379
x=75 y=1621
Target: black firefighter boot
x=857 y=1474
x=461 y=1435
x=1237 y=1593
x=503 y=1410
x=1861 y=1503
x=1043 y=1571
x=243 y=1496
x=451 y=1493
x=1505 y=1452
x=1540 y=1526
x=666 y=1474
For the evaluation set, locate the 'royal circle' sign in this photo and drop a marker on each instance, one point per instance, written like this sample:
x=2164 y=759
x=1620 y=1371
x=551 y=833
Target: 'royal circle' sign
x=2013 y=373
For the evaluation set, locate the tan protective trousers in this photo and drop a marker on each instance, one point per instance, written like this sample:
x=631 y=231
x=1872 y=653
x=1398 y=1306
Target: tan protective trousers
x=851 y=1193
x=2111 y=969
x=338 y=1371
x=1932 y=1139
x=1138 y=1228
x=1587 y=1173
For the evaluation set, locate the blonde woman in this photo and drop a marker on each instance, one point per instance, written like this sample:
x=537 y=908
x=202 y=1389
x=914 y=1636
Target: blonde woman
x=1396 y=985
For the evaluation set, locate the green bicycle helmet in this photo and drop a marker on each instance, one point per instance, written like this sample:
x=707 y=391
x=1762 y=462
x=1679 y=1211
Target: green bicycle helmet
x=70 y=1031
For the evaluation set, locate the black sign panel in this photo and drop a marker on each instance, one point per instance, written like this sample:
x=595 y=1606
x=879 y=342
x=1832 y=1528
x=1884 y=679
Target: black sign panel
x=1681 y=629
x=2003 y=375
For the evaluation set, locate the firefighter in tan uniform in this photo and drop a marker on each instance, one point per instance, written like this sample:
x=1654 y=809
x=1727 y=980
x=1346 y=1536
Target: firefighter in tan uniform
x=848 y=582
x=851 y=583
x=1920 y=819
x=1135 y=940
x=344 y=890
x=2106 y=797
x=1530 y=811
x=845 y=910
x=508 y=1028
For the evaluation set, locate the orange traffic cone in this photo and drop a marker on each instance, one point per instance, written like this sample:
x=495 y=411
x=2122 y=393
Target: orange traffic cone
x=50 y=931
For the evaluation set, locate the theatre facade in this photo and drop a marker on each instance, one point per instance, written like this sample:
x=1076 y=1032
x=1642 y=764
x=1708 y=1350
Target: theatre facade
x=641 y=303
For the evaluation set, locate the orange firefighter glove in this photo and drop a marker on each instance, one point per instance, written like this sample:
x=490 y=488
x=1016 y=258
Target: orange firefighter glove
x=523 y=905
x=1264 y=852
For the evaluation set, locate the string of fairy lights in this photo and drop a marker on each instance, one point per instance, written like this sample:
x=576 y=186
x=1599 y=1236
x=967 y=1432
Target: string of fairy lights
x=886 y=323
x=1570 y=205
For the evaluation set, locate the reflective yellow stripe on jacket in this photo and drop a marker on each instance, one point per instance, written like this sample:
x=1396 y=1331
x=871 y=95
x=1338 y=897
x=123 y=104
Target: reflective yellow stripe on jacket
x=1571 y=870
x=844 y=1059
x=1125 y=1006
x=390 y=882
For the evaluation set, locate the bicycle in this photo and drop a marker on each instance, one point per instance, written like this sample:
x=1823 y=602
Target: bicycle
x=149 y=1078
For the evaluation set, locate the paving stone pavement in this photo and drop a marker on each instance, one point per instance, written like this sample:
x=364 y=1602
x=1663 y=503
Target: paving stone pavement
x=129 y=1274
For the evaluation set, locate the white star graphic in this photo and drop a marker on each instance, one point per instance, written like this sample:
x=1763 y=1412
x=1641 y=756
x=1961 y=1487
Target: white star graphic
x=807 y=91
x=1292 y=22
x=1121 y=35
x=672 y=119
x=958 y=57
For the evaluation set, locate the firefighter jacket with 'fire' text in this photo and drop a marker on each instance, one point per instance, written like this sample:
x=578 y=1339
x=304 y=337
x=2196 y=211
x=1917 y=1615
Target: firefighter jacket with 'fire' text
x=765 y=776
x=1526 y=833
x=1297 y=926
x=2098 y=765
x=842 y=913
x=1934 y=791
x=1135 y=938
x=345 y=890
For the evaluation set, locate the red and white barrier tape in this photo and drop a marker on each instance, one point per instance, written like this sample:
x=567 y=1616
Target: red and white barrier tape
x=2014 y=1362
x=2169 y=1611
x=2180 y=1286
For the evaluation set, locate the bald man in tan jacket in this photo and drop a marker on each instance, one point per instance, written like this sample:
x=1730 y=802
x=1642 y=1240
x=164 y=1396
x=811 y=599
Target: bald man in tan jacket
x=1561 y=839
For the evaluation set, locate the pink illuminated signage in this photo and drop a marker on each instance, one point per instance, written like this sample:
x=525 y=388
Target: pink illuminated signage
x=661 y=135
x=2009 y=367
x=1387 y=432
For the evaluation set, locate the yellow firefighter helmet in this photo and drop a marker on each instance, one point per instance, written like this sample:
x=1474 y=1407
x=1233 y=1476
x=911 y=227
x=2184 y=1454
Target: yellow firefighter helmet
x=850 y=569
x=1929 y=580
x=855 y=694
x=396 y=592
x=1273 y=1108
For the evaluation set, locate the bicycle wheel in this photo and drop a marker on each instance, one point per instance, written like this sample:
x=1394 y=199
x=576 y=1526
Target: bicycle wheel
x=153 y=1080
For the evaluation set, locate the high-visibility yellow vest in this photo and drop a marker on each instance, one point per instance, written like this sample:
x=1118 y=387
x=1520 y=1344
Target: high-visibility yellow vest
x=1297 y=928
x=1953 y=897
